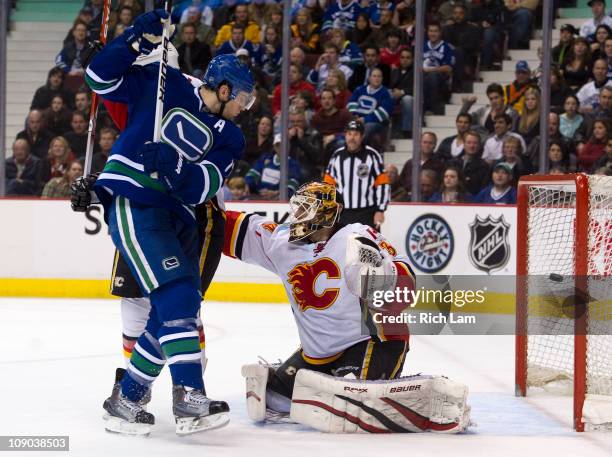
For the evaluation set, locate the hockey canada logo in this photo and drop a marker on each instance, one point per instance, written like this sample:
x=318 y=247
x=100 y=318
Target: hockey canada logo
x=430 y=243
x=489 y=248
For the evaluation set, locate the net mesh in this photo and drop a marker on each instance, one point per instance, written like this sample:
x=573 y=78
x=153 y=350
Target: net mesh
x=551 y=269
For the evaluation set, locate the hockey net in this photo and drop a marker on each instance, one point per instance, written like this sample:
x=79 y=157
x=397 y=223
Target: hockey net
x=564 y=292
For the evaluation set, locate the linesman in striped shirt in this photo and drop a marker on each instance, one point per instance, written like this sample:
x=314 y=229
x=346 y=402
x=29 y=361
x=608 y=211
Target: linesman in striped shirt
x=357 y=170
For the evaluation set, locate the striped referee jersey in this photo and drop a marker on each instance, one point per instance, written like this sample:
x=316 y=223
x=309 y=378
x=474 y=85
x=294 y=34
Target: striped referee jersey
x=360 y=178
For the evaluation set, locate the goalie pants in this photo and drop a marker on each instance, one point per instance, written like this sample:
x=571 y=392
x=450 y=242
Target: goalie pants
x=369 y=360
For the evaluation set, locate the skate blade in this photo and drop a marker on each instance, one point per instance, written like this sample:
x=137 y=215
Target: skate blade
x=117 y=425
x=189 y=425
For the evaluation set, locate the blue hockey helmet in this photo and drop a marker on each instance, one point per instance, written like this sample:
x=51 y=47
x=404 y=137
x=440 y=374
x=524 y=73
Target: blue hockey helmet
x=229 y=69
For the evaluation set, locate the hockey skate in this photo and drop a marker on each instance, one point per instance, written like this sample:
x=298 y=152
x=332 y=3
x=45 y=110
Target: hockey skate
x=195 y=412
x=119 y=374
x=126 y=416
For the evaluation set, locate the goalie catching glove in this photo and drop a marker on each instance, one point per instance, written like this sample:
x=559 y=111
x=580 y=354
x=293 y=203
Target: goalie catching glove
x=367 y=269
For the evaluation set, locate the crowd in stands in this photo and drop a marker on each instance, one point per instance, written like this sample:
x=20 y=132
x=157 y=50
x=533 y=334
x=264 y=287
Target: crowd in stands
x=353 y=60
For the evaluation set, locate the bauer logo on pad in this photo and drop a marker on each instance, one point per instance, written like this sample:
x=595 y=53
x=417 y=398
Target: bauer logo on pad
x=489 y=248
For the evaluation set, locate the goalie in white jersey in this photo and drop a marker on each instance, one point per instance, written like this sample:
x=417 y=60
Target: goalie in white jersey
x=330 y=271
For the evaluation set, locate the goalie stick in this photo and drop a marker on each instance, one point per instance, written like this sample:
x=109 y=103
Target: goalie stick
x=95 y=99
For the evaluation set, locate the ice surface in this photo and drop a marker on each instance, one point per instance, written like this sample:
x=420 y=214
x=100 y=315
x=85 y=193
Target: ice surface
x=59 y=356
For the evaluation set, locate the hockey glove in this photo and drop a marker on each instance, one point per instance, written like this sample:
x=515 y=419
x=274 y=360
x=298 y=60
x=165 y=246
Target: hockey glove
x=145 y=34
x=81 y=190
x=161 y=158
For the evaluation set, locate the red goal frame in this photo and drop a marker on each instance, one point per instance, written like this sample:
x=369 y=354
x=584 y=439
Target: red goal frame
x=581 y=239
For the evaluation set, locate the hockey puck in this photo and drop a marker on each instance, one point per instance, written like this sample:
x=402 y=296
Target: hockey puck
x=555 y=277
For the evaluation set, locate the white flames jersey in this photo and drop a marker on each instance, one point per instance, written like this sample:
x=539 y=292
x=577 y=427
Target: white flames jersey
x=328 y=316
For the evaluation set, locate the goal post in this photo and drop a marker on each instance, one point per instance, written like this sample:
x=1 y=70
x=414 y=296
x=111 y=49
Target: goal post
x=564 y=243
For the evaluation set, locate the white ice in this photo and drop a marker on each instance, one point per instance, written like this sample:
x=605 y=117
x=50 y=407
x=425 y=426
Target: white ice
x=58 y=360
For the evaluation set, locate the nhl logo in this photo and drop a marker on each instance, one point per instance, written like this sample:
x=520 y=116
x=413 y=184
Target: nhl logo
x=429 y=243
x=363 y=170
x=489 y=248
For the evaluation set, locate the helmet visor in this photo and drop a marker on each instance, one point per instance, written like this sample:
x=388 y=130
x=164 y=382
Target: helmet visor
x=245 y=99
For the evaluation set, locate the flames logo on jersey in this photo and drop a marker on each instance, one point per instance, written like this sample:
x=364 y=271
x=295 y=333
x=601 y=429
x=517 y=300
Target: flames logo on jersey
x=303 y=279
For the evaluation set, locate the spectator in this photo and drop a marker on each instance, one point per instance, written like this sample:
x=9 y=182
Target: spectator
x=475 y=170
x=326 y=62
x=576 y=69
x=428 y=161
x=77 y=136
x=379 y=36
x=490 y=17
x=484 y=118
x=37 y=137
x=118 y=30
x=452 y=146
x=429 y=182
x=529 y=123
x=376 y=8
x=56 y=163
x=264 y=177
x=500 y=191
x=514 y=93
x=608 y=56
x=602 y=33
x=588 y=95
x=269 y=54
x=125 y=16
x=105 y=144
x=358 y=172
x=250 y=29
x=362 y=72
x=603 y=111
x=566 y=41
x=558 y=159
x=521 y=17
x=570 y=120
x=305 y=146
x=82 y=102
x=341 y=14
x=390 y=54
x=593 y=149
x=235 y=189
x=398 y=193
x=559 y=90
x=194 y=55
x=56 y=118
x=135 y=5
x=533 y=152
x=465 y=38
x=438 y=61
x=60 y=187
x=337 y=83
x=372 y=104
x=361 y=35
x=402 y=87
x=350 y=54
x=261 y=142
x=598 y=8
x=493 y=146
x=513 y=156
x=44 y=94
x=606 y=159
x=21 y=170
x=237 y=41
x=70 y=58
x=303 y=101
x=202 y=23
x=298 y=57
x=305 y=33
x=330 y=121
x=452 y=189
x=296 y=84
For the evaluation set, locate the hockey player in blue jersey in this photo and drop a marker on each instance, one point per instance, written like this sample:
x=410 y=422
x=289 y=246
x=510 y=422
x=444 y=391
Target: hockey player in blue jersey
x=148 y=191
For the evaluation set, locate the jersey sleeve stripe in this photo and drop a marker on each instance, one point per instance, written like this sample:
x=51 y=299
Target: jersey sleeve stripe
x=233 y=221
x=329 y=179
x=381 y=179
x=103 y=88
x=241 y=235
x=321 y=361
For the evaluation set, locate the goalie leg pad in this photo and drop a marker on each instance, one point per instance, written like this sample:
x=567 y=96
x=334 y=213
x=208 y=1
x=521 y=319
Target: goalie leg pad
x=256 y=377
x=413 y=404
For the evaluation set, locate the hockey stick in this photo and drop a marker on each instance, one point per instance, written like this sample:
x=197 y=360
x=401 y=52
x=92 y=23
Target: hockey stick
x=161 y=79
x=95 y=99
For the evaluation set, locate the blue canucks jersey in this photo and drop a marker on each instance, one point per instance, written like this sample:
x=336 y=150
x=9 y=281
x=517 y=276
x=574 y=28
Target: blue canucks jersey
x=207 y=145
